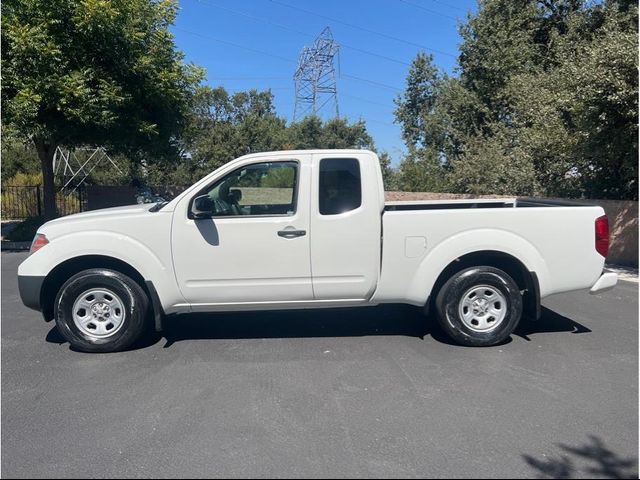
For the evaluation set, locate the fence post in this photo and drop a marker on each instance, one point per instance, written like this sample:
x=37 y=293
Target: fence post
x=38 y=200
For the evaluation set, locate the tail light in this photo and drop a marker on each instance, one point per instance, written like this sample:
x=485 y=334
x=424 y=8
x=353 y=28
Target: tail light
x=602 y=235
x=39 y=241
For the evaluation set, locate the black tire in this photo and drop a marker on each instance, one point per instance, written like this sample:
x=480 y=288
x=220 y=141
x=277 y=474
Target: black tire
x=132 y=297
x=452 y=292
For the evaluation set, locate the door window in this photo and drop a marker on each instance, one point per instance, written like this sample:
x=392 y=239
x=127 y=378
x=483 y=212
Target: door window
x=268 y=188
x=340 y=187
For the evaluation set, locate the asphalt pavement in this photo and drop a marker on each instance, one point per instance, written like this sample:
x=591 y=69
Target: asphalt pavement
x=368 y=392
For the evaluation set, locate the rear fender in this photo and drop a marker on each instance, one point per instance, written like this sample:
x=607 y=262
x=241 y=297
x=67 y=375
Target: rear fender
x=446 y=252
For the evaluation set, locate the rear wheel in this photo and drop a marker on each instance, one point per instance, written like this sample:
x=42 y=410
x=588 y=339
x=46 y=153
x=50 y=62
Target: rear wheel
x=101 y=310
x=479 y=306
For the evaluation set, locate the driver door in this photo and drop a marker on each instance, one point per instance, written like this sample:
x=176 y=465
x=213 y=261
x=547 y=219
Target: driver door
x=254 y=246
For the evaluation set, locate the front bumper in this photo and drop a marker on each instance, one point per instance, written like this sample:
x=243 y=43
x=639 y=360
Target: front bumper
x=606 y=282
x=30 y=288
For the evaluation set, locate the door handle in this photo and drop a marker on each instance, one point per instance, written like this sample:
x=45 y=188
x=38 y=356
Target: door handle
x=292 y=233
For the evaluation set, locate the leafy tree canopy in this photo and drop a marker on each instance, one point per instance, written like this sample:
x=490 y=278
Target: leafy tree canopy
x=545 y=102
x=93 y=72
x=222 y=127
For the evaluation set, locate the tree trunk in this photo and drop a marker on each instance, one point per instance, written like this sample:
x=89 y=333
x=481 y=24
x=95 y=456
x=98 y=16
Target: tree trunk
x=46 y=150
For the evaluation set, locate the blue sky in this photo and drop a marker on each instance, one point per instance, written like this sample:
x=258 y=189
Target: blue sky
x=246 y=44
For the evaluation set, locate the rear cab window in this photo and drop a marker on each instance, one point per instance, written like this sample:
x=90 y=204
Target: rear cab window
x=340 y=185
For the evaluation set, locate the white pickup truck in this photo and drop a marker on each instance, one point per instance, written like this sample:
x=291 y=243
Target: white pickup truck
x=309 y=229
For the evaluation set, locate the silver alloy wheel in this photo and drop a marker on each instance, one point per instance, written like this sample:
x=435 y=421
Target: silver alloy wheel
x=482 y=308
x=98 y=313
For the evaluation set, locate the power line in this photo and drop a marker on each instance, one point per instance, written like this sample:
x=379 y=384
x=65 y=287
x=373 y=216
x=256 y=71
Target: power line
x=233 y=91
x=284 y=59
x=380 y=121
x=365 y=100
x=378 y=55
x=428 y=10
x=285 y=27
x=455 y=7
x=250 y=78
x=350 y=77
x=237 y=45
x=372 y=82
x=342 y=94
x=286 y=103
x=391 y=37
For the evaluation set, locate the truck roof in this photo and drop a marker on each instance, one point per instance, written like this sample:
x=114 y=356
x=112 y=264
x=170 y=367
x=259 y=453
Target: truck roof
x=325 y=151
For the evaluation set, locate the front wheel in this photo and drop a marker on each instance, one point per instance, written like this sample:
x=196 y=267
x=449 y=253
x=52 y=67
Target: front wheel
x=101 y=310
x=479 y=306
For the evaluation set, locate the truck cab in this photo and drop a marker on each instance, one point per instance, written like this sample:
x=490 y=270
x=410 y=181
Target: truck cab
x=286 y=227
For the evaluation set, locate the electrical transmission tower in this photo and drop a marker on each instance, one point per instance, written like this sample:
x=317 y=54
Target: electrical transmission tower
x=315 y=76
x=72 y=170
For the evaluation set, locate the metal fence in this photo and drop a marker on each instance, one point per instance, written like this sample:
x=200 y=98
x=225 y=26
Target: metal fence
x=20 y=202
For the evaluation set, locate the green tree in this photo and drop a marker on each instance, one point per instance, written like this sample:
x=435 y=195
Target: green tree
x=222 y=127
x=493 y=165
x=419 y=111
x=312 y=132
x=389 y=174
x=579 y=118
x=553 y=81
x=416 y=110
x=93 y=72
x=421 y=171
x=498 y=42
x=18 y=157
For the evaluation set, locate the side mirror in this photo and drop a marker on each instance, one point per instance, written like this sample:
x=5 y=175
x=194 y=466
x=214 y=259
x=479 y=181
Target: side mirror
x=203 y=207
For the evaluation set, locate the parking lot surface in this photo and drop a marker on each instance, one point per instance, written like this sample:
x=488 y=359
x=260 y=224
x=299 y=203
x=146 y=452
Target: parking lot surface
x=368 y=392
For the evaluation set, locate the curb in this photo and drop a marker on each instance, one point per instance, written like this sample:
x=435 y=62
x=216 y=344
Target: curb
x=8 y=245
x=625 y=274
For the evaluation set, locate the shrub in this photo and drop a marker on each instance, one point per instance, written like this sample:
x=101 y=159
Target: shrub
x=25 y=231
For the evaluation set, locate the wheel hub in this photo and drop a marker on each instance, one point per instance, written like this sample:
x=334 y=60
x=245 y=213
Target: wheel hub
x=482 y=308
x=98 y=313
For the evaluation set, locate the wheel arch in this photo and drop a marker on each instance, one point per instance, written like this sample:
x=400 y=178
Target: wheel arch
x=526 y=279
x=65 y=270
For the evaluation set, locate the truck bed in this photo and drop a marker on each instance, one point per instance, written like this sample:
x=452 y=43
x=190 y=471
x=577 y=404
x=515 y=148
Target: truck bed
x=556 y=243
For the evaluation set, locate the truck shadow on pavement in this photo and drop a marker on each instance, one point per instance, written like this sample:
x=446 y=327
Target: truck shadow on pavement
x=591 y=460
x=387 y=320
x=549 y=322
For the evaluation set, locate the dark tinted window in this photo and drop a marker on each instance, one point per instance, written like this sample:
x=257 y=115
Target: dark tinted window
x=340 y=189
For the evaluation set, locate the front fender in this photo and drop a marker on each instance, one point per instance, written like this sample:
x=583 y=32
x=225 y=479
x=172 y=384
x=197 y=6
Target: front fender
x=150 y=265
